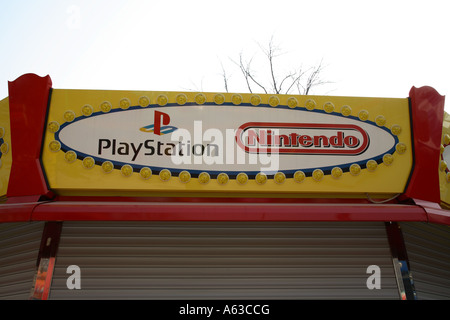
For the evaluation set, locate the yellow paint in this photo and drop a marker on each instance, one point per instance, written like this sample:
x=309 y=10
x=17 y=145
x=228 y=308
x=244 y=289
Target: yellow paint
x=444 y=174
x=67 y=175
x=5 y=148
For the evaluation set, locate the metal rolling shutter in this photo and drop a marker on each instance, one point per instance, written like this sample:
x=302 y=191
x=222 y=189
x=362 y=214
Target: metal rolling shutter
x=19 y=250
x=223 y=260
x=428 y=247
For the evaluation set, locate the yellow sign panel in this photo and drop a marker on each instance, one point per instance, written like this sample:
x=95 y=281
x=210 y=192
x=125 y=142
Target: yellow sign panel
x=444 y=172
x=5 y=146
x=149 y=143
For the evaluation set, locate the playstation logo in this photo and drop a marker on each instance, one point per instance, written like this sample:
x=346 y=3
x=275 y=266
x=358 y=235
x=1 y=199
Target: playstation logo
x=160 y=125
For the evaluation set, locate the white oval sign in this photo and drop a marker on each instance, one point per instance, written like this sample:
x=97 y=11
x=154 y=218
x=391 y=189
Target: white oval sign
x=226 y=138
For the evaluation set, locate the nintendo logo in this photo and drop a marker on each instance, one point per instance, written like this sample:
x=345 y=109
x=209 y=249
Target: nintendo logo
x=302 y=138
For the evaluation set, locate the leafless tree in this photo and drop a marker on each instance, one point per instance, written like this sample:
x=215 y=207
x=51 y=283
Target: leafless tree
x=301 y=80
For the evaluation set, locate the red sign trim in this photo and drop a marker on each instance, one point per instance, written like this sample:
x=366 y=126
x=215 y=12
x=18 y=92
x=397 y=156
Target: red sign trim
x=274 y=125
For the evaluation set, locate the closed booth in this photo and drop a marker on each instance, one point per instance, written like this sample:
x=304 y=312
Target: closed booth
x=115 y=194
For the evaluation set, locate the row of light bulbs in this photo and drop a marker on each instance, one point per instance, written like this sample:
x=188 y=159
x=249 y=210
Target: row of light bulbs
x=223 y=178
x=255 y=100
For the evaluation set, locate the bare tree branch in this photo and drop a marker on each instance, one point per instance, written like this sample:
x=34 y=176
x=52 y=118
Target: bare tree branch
x=270 y=54
x=302 y=80
x=284 y=79
x=247 y=73
x=314 y=78
x=257 y=83
x=224 y=77
x=295 y=80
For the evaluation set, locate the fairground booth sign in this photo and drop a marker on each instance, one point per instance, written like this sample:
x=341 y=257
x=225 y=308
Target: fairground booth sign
x=99 y=155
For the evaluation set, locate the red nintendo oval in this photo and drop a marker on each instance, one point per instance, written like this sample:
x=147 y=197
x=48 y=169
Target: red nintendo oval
x=264 y=141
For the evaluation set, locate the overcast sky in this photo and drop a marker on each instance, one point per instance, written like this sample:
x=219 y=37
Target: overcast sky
x=369 y=48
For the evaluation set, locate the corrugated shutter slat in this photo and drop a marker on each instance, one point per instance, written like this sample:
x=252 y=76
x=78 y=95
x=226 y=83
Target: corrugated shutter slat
x=223 y=260
x=428 y=247
x=19 y=249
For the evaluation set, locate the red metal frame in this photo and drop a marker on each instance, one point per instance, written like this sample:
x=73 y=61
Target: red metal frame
x=28 y=102
x=221 y=209
x=29 y=98
x=46 y=260
x=434 y=212
x=217 y=209
x=119 y=211
x=427 y=115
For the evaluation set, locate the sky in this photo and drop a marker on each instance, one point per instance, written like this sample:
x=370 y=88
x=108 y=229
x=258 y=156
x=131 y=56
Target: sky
x=368 y=48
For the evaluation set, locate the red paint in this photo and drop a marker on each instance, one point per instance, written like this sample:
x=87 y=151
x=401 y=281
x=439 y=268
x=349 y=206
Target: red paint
x=141 y=211
x=18 y=209
x=48 y=278
x=303 y=140
x=439 y=216
x=209 y=209
x=160 y=117
x=46 y=260
x=434 y=212
x=215 y=210
x=427 y=114
x=16 y=212
x=28 y=101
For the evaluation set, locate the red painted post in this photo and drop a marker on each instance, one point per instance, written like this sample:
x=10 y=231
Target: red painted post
x=28 y=102
x=427 y=114
x=46 y=260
